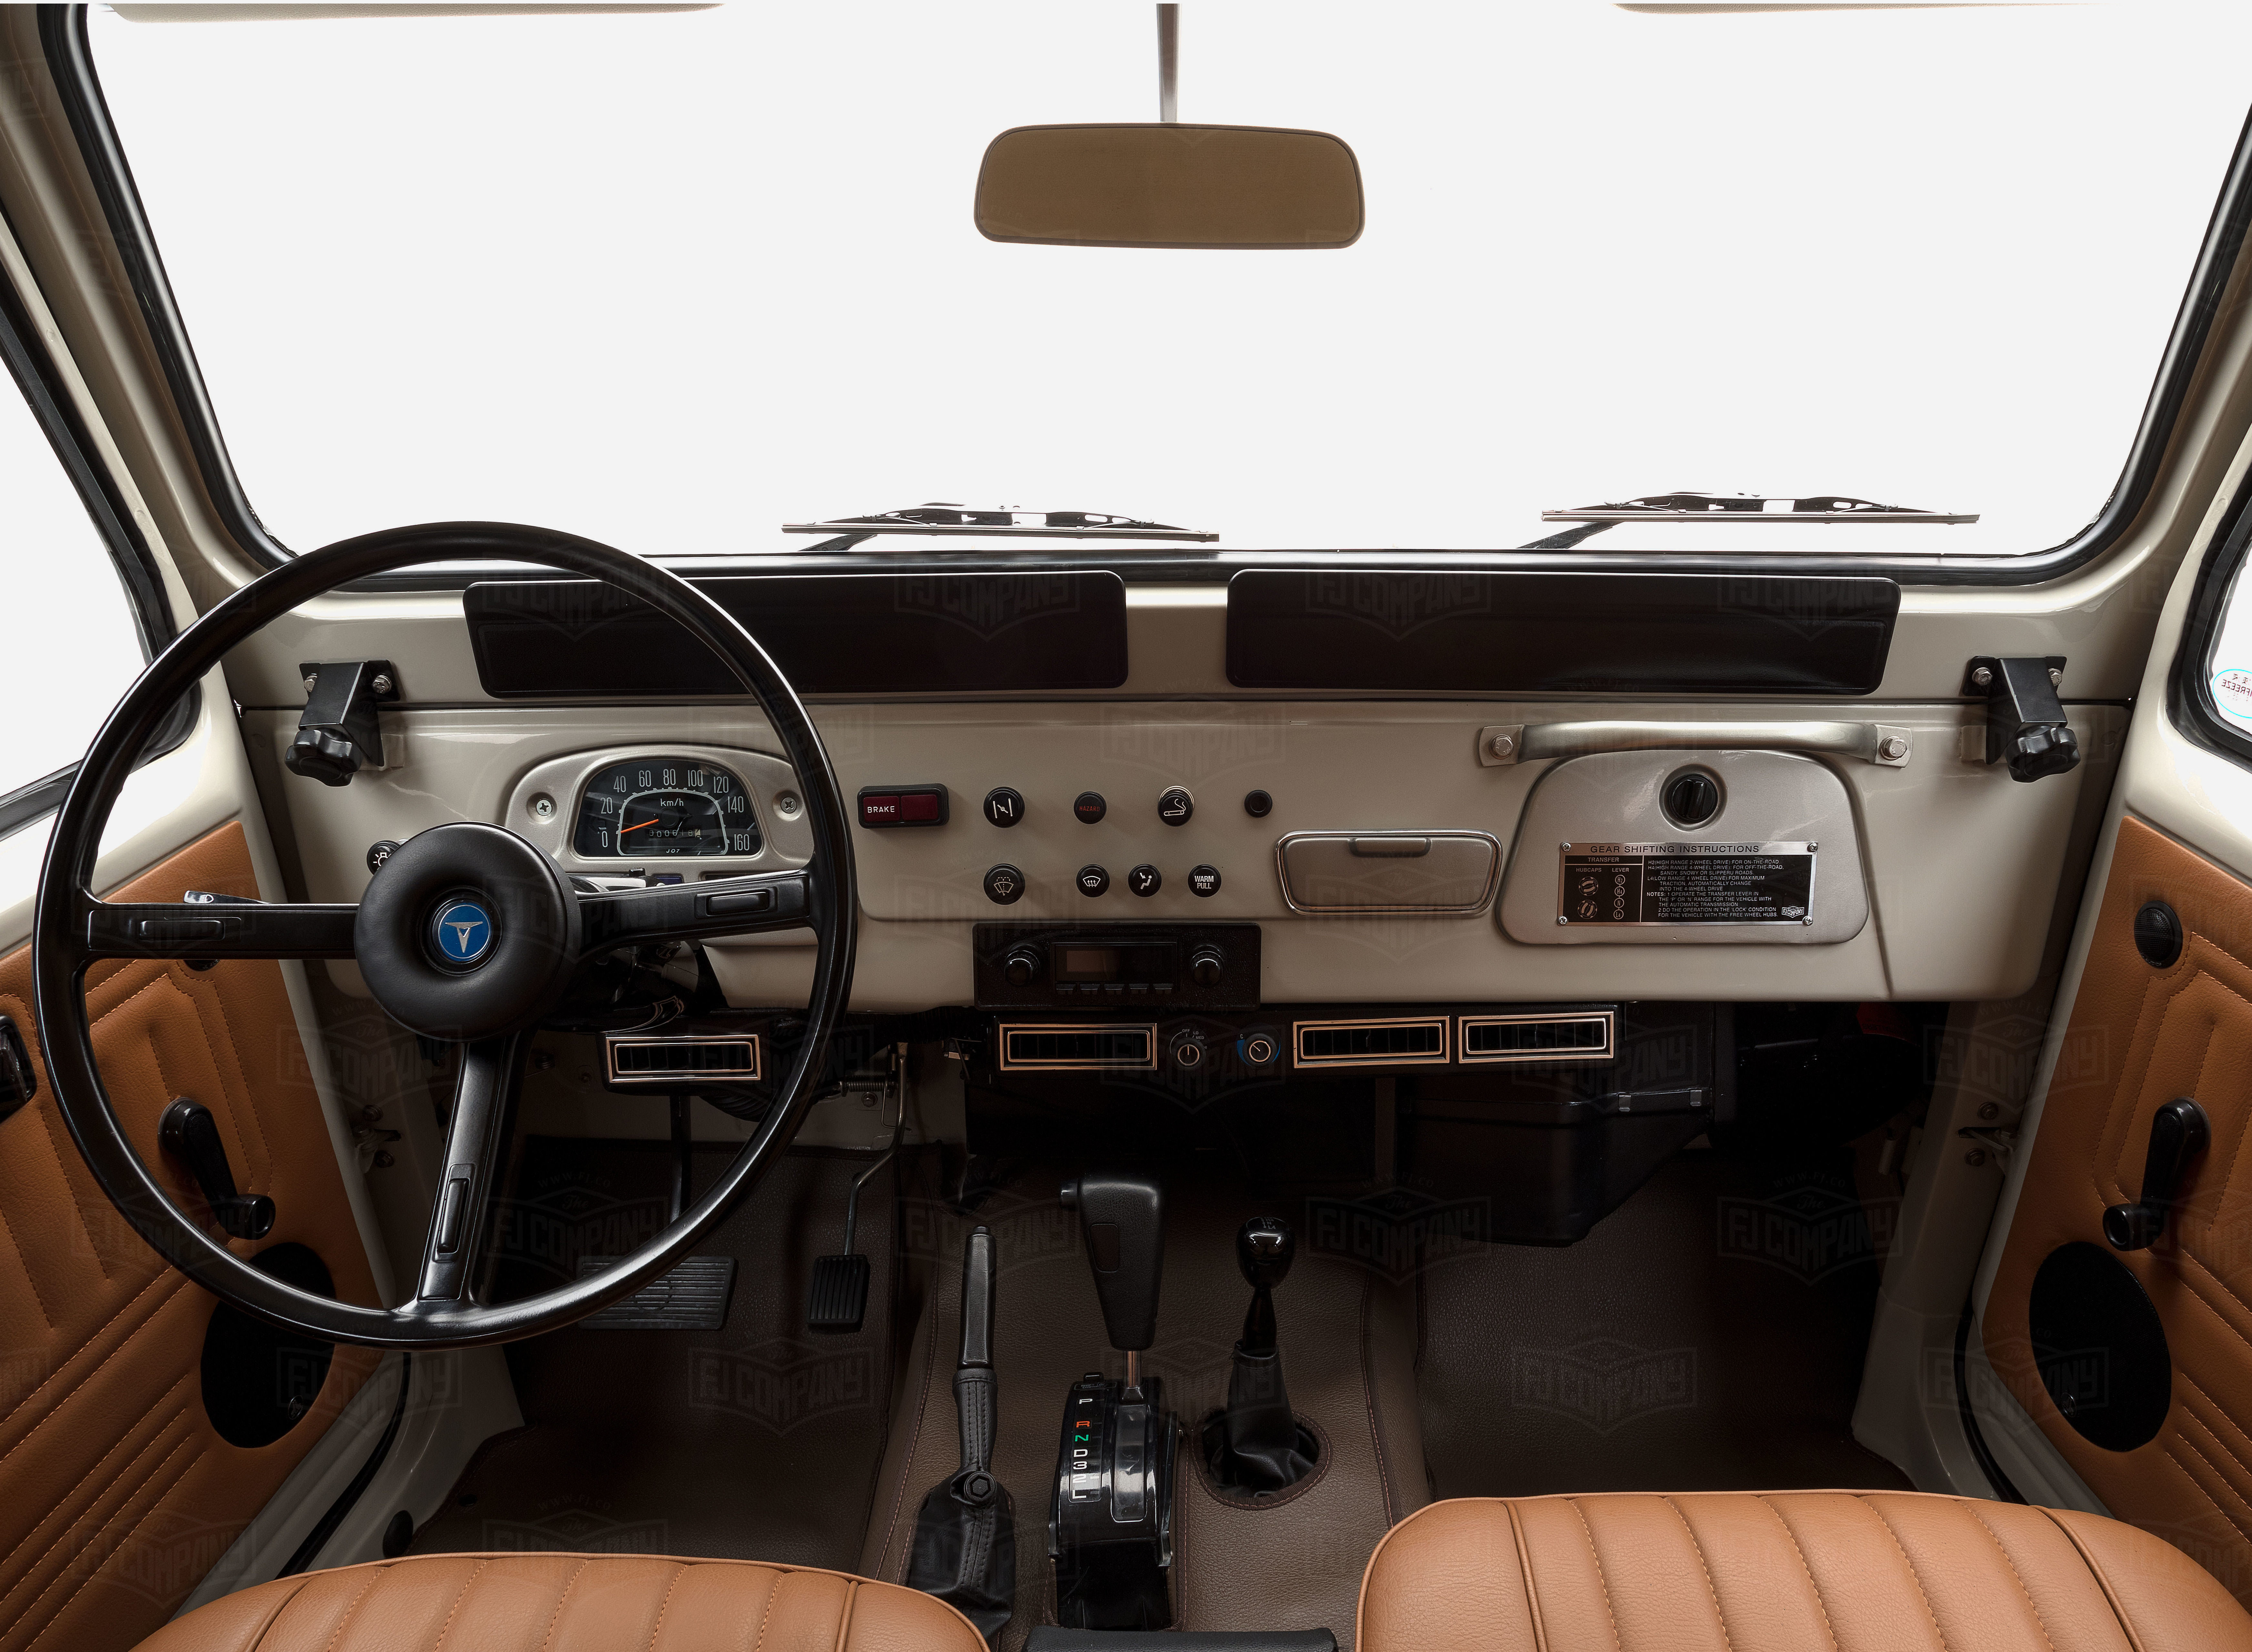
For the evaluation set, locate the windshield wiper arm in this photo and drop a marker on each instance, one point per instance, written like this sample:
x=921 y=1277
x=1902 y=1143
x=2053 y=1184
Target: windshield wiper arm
x=967 y=520
x=1733 y=509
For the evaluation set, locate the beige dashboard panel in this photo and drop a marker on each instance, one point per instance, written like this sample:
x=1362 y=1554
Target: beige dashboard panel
x=1961 y=863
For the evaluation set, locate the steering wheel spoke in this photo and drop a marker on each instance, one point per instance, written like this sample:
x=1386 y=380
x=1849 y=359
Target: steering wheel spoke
x=754 y=905
x=231 y=929
x=477 y=1137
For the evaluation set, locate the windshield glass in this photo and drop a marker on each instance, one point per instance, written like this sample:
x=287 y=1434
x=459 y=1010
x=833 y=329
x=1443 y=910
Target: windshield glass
x=673 y=279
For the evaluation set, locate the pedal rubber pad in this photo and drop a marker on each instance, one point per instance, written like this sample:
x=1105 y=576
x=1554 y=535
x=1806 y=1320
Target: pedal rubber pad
x=693 y=1296
x=839 y=1298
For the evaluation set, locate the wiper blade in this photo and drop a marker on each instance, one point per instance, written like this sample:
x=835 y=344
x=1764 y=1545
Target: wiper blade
x=967 y=520
x=1734 y=508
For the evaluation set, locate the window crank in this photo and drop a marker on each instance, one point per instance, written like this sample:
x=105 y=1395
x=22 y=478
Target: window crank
x=2180 y=1134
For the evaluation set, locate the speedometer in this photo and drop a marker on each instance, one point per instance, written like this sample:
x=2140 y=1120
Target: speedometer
x=662 y=807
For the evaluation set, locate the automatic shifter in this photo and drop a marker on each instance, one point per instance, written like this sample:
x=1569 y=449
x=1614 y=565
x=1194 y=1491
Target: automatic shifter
x=1111 y=1523
x=1256 y=1445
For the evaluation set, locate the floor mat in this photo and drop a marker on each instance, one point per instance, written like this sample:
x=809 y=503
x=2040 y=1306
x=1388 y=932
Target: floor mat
x=755 y=1442
x=1708 y=1334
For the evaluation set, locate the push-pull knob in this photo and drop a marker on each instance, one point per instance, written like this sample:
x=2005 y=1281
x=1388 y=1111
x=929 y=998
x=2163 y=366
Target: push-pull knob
x=2179 y=1133
x=189 y=1133
x=1021 y=968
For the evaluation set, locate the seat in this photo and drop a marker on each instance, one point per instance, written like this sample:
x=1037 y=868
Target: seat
x=1784 y=1571
x=570 y=1603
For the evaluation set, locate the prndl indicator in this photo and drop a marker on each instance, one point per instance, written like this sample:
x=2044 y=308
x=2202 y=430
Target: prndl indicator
x=1683 y=885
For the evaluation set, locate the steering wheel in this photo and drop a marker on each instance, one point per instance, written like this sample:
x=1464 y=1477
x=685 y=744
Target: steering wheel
x=540 y=932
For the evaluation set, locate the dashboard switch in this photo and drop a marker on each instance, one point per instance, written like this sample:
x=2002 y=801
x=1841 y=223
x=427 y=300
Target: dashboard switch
x=1089 y=807
x=1175 y=805
x=1004 y=885
x=1145 y=879
x=902 y=806
x=1004 y=806
x=1203 y=880
x=1092 y=880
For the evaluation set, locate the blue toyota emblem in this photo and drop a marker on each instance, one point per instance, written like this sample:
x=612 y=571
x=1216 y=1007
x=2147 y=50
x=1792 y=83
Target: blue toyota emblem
x=463 y=933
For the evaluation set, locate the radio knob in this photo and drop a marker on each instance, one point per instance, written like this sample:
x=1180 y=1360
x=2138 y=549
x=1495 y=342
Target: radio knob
x=1022 y=967
x=1188 y=1050
x=1205 y=965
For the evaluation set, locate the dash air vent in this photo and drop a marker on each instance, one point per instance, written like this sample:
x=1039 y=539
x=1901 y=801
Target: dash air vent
x=673 y=1061
x=1576 y=1035
x=1386 y=1041
x=1051 y=1049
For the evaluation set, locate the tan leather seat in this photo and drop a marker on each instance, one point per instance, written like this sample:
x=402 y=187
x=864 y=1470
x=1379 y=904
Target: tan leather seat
x=1784 y=1571
x=570 y=1603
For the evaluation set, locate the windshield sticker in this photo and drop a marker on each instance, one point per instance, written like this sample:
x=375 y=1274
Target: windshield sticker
x=2232 y=693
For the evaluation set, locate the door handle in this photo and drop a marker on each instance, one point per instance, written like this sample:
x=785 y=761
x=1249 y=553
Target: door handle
x=1883 y=744
x=2180 y=1134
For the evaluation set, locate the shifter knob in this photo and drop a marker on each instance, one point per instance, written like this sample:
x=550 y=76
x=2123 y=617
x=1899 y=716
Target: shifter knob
x=1264 y=1247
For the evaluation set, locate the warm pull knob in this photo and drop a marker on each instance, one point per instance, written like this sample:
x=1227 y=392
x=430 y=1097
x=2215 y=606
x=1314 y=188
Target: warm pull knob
x=2180 y=1134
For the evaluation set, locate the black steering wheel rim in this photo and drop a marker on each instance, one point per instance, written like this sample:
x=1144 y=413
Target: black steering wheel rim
x=68 y=916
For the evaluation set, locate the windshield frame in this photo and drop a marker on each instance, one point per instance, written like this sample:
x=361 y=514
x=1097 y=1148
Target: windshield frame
x=66 y=43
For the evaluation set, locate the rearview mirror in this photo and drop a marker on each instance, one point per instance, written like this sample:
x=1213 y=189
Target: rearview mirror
x=1169 y=186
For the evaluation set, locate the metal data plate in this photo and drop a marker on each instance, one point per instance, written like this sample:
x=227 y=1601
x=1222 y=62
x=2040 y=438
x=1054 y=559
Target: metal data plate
x=1677 y=885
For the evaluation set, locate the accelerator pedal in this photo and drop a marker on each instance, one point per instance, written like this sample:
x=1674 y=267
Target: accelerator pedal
x=836 y=1297
x=693 y=1296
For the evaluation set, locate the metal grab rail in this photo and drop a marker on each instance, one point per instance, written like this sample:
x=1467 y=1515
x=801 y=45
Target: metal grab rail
x=1503 y=743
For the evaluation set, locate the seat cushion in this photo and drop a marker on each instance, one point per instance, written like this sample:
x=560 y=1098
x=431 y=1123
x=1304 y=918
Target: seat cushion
x=571 y=1603
x=1784 y=1571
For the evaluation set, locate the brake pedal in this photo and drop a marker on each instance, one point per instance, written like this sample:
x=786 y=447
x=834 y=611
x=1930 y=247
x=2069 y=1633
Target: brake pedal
x=693 y=1296
x=837 y=1300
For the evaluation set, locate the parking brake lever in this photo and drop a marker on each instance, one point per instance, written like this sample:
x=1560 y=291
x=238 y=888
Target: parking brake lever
x=189 y=1133
x=2180 y=1134
x=965 y=1549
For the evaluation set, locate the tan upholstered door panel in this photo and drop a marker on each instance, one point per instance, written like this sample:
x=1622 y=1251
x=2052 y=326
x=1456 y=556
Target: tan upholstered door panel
x=2139 y=1038
x=116 y=1495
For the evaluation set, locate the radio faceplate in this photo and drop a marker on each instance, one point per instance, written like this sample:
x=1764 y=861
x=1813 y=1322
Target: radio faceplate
x=1086 y=966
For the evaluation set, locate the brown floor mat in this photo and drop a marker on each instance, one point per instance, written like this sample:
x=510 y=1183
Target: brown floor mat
x=1707 y=1335
x=755 y=1442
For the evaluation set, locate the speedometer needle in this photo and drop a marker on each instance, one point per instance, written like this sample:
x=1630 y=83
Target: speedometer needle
x=652 y=821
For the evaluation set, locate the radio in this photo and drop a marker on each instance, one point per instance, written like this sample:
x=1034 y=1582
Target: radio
x=1087 y=967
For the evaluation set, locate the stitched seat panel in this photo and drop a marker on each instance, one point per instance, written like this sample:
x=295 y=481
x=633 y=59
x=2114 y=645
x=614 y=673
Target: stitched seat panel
x=571 y=1603
x=1784 y=1571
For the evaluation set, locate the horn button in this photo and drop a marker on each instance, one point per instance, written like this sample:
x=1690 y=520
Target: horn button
x=467 y=932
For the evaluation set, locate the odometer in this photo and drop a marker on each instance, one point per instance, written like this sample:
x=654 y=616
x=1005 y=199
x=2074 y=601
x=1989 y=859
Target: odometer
x=662 y=807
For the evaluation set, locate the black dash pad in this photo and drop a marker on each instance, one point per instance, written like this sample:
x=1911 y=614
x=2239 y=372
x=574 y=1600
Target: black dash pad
x=693 y=1296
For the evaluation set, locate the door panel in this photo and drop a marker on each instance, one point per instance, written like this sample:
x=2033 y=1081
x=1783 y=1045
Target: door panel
x=117 y=1494
x=2139 y=1038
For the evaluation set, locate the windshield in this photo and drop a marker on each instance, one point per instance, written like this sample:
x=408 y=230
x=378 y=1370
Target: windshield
x=673 y=279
